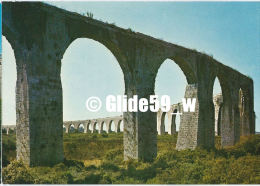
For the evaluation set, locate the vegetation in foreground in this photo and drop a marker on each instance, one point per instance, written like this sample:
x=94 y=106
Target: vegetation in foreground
x=98 y=158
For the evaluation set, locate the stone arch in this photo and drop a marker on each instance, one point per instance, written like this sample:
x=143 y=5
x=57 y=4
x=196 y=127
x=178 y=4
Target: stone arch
x=228 y=123
x=39 y=67
x=218 y=84
x=108 y=53
x=81 y=127
x=103 y=127
x=217 y=97
x=9 y=70
x=186 y=68
x=182 y=66
x=72 y=128
x=64 y=128
x=172 y=127
x=95 y=127
x=120 y=127
x=89 y=127
x=112 y=46
x=111 y=126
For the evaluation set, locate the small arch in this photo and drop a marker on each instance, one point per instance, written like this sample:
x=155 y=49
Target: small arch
x=80 y=55
x=95 y=127
x=112 y=126
x=81 y=128
x=217 y=98
x=103 y=127
x=121 y=126
x=89 y=129
x=72 y=128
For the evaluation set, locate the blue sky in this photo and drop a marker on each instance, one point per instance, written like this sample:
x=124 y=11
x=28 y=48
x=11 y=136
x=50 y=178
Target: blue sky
x=227 y=30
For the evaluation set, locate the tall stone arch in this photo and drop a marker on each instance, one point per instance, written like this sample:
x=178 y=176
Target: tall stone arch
x=39 y=35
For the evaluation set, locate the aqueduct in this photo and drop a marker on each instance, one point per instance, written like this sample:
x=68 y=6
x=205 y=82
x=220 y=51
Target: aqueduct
x=39 y=35
x=105 y=124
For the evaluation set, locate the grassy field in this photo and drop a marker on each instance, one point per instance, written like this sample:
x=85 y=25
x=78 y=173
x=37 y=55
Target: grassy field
x=98 y=158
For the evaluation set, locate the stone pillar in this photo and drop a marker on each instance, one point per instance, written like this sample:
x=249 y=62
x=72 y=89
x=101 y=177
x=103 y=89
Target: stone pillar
x=140 y=131
x=160 y=122
x=188 y=132
x=85 y=129
x=38 y=108
x=230 y=120
x=197 y=128
x=67 y=129
x=107 y=126
x=93 y=127
x=7 y=131
x=247 y=124
x=217 y=100
x=99 y=127
x=171 y=123
x=102 y=126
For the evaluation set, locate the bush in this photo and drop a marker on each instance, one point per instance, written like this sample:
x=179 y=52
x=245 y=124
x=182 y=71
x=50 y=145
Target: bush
x=92 y=178
x=17 y=173
x=115 y=154
x=109 y=166
x=104 y=135
x=103 y=163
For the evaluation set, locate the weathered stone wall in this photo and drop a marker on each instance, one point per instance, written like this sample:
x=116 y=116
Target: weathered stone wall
x=39 y=35
x=188 y=132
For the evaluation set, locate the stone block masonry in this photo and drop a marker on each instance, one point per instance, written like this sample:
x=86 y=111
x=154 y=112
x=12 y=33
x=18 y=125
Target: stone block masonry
x=40 y=34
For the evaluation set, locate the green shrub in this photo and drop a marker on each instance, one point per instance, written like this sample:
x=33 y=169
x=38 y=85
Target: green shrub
x=115 y=154
x=17 y=173
x=109 y=166
x=104 y=135
x=103 y=163
x=92 y=178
